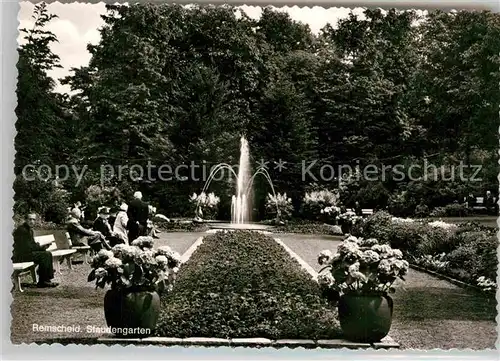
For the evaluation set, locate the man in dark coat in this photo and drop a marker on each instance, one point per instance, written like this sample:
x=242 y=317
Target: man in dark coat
x=138 y=213
x=26 y=249
x=102 y=225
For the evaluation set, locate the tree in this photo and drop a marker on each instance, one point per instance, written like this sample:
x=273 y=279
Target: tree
x=40 y=121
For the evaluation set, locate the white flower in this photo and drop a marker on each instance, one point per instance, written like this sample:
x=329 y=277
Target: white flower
x=443 y=225
x=113 y=262
x=164 y=250
x=326 y=279
x=370 y=256
x=397 y=253
x=104 y=253
x=351 y=239
x=163 y=260
x=176 y=257
x=324 y=257
x=385 y=267
x=100 y=272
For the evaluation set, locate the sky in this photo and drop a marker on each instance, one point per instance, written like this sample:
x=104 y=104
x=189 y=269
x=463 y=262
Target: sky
x=78 y=25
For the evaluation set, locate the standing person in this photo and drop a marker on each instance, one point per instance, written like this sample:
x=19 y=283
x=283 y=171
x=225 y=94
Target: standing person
x=490 y=203
x=357 y=209
x=27 y=250
x=121 y=222
x=138 y=212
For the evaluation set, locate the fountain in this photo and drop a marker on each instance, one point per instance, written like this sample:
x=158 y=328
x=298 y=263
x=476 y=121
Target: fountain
x=240 y=207
x=241 y=202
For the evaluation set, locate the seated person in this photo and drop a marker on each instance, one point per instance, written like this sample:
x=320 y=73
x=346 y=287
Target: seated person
x=102 y=226
x=80 y=234
x=26 y=249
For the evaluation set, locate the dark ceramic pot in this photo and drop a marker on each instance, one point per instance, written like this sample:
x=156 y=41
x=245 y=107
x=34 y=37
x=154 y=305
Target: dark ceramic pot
x=365 y=318
x=132 y=310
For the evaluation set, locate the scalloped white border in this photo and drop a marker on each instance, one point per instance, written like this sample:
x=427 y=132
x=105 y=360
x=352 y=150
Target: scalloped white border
x=8 y=79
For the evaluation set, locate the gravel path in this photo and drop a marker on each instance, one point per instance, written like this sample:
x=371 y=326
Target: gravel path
x=428 y=312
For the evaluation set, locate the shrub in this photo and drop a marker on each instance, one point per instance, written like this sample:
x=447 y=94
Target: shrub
x=401 y=205
x=450 y=210
x=281 y=202
x=97 y=196
x=308 y=227
x=476 y=253
x=181 y=227
x=48 y=199
x=375 y=226
x=243 y=284
x=465 y=251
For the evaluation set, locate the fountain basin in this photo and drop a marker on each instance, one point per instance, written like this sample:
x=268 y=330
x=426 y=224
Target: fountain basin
x=238 y=226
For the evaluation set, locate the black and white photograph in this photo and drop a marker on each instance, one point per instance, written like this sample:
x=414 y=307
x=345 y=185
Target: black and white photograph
x=259 y=177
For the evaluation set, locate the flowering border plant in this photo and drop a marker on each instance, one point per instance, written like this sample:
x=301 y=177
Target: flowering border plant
x=361 y=267
x=349 y=217
x=330 y=214
x=279 y=206
x=135 y=267
x=205 y=205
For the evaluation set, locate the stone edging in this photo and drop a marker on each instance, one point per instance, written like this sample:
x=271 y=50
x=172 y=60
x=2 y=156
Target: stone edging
x=386 y=343
x=447 y=278
x=185 y=257
x=302 y=263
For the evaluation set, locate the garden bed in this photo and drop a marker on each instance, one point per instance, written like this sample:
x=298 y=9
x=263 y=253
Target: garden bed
x=462 y=252
x=308 y=227
x=244 y=285
x=181 y=226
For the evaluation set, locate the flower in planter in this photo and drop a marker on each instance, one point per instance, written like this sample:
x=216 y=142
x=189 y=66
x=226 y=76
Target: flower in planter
x=136 y=266
x=362 y=267
x=486 y=284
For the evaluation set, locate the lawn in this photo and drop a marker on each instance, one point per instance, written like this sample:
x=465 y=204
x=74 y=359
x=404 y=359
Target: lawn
x=428 y=312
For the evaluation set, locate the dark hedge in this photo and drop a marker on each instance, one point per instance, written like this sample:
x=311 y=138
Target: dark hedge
x=243 y=284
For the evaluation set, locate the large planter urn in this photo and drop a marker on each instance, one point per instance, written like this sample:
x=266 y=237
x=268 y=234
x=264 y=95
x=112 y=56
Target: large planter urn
x=138 y=309
x=365 y=318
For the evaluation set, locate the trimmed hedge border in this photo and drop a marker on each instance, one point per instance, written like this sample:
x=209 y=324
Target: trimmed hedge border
x=262 y=290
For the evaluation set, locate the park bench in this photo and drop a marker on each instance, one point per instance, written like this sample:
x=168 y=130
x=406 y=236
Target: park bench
x=20 y=269
x=365 y=212
x=85 y=251
x=57 y=254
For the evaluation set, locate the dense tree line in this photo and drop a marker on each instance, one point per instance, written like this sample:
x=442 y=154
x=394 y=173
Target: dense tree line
x=172 y=85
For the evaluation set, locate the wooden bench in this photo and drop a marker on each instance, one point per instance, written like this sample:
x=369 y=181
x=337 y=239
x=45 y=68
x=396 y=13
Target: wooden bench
x=367 y=212
x=20 y=269
x=57 y=254
x=85 y=251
